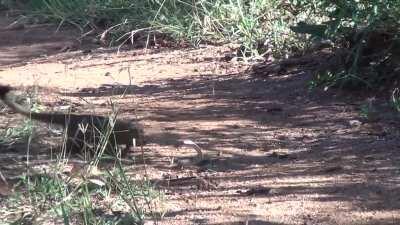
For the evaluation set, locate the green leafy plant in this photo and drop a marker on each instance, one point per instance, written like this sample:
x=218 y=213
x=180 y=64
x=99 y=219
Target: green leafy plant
x=24 y=130
x=85 y=194
x=18 y=133
x=365 y=111
x=370 y=32
x=259 y=26
x=82 y=197
x=395 y=99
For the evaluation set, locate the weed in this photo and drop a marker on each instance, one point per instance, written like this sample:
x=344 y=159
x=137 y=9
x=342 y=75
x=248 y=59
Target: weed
x=86 y=195
x=16 y=134
x=24 y=130
x=368 y=29
x=365 y=111
x=395 y=99
x=260 y=26
x=326 y=78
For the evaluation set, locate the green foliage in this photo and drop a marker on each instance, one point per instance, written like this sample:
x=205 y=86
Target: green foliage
x=368 y=29
x=18 y=133
x=395 y=100
x=84 y=198
x=25 y=130
x=5 y=4
x=367 y=110
x=85 y=194
x=44 y=189
x=250 y=23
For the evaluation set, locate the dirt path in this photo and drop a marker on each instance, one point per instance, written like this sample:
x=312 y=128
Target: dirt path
x=269 y=132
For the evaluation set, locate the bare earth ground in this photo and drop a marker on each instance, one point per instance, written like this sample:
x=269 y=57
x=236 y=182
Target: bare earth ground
x=262 y=132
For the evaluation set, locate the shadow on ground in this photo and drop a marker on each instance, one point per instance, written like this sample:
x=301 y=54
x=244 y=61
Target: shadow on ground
x=280 y=113
x=272 y=128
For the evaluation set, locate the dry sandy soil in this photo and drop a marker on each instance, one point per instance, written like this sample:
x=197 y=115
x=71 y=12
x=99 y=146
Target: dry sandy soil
x=316 y=165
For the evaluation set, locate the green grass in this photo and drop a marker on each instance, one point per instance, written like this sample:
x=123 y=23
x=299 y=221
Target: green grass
x=260 y=27
x=89 y=192
x=19 y=133
x=367 y=30
x=105 y=198
x=250 y=23
x=23 y=131
x=395 y=99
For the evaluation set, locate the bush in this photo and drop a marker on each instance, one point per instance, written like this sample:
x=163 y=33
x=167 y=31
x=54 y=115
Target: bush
x=258 y=25
x=370 y=32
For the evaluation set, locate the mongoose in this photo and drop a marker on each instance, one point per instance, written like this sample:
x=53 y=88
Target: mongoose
x=82 y=129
